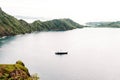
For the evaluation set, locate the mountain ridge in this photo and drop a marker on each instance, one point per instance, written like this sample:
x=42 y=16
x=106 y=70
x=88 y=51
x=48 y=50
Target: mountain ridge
x=9 y=25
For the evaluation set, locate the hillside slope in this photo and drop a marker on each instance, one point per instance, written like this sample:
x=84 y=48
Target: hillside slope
x=9 y=25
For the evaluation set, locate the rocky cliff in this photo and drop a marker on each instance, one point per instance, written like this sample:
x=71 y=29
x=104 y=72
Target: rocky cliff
x=16 y=71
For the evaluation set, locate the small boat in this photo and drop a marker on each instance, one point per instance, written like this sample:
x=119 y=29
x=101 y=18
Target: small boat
x=61 y=53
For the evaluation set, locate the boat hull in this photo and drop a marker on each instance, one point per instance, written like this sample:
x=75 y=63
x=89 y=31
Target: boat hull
x=61 y=53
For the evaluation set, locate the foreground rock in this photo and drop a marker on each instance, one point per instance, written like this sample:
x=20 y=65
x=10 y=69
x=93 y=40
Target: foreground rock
x=16 y=71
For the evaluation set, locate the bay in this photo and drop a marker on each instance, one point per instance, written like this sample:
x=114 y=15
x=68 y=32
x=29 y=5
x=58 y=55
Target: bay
x=93 y=53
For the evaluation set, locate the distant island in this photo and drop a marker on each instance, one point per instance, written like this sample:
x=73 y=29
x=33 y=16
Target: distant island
x=9 y=25
x=115 y=24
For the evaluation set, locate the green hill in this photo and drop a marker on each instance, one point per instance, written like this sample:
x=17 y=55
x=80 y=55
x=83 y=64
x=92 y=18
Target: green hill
x=61 y=24
x=9 y=25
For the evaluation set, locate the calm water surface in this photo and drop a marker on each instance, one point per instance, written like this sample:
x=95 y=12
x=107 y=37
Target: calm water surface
x=93 y=53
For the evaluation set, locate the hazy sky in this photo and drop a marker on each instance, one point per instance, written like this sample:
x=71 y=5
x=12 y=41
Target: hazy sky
x=78 y=10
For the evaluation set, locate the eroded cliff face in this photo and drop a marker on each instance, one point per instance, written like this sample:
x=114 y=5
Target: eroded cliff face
x=16 y=71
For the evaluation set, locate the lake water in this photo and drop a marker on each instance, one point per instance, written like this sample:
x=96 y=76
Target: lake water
x=93 y=53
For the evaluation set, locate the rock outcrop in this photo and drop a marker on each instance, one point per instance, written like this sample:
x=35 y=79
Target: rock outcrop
x=16 y=71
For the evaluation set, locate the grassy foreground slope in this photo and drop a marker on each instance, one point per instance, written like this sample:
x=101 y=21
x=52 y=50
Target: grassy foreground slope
x=16 y=71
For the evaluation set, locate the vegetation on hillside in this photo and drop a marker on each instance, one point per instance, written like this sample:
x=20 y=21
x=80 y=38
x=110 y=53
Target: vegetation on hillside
x=9 y=25
x=16 y=71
